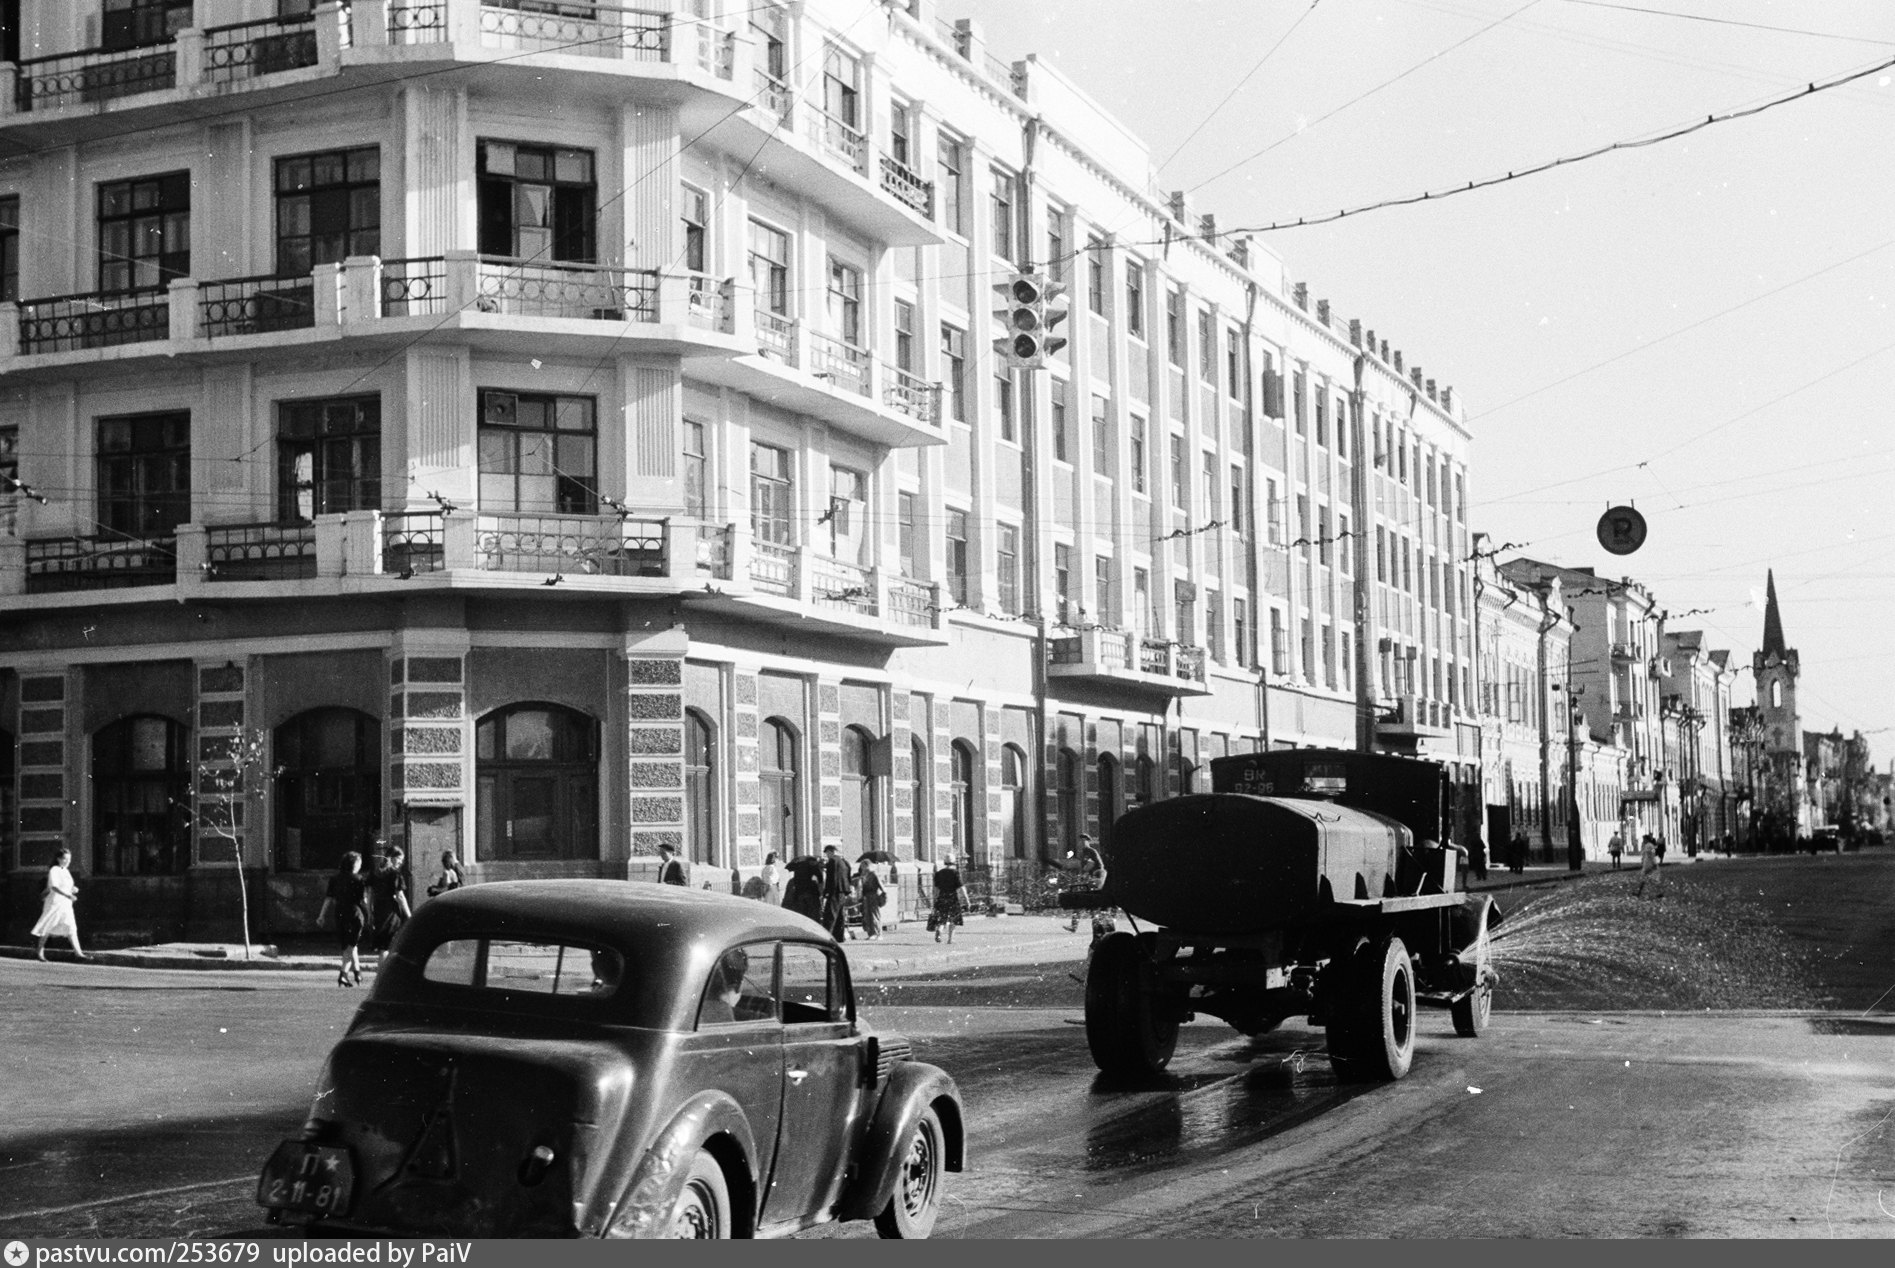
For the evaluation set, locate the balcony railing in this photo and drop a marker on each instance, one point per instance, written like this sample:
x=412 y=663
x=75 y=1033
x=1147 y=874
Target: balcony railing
x=248 y=49
x=910 y=602
x=256 y=305
x=584 y=545
x=588 y=291
x=1154 y=655
x=836 y=584
x=914 y=397
x=709 y=303
x=773 y=567
x=842 y=139
x=716 y=51
x=259 y=552
x=417 y=21
x=901 y=183
x=713 y=550
x=775 y=96
x=1125 y=654
x=93 y=74
x=99 y=563
x=583 y=30
x=99 y=319
x=841 y=364
x=414 y=288
x=776 y=335
x=414 y=541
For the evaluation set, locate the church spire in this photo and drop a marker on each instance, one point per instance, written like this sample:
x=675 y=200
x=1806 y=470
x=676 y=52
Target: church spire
x=1772 y=619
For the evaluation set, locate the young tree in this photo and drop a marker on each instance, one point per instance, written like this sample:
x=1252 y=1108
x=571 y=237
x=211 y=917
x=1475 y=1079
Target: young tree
x=226 y=776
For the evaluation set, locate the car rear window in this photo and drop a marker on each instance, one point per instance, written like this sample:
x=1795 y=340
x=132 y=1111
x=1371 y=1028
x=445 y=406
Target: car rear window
x=526 y=967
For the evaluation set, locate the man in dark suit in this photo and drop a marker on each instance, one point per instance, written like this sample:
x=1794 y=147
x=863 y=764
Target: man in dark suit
x=837 y=885
x=670 y=869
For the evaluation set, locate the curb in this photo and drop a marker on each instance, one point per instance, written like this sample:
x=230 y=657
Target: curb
x=172 y=960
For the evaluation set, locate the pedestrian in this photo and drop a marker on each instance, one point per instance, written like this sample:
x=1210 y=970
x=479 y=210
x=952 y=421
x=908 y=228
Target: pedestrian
x=837 y=887
x=1650 y=858
x=1727 y=843
x=870 y=896
x=947 y=911
x=1091 y=876
x=1477 y=856
x=1616 y=848
x=56 y=915
x=347 y=904
x=1517 y=853
x=388 y=901
x=802 y=893
x=1661 y=851
x=451 y=876
x=670 y=867
x=772 y=876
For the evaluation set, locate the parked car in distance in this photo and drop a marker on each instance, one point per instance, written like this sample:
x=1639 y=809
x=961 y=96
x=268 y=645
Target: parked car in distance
x=585 y=1058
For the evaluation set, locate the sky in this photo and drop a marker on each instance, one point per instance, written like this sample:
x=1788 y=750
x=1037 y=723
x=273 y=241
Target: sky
x=1699 y=327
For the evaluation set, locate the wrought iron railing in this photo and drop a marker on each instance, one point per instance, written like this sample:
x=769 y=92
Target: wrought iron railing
x=413 y=541
x=836 y=584
x=914 y=397
x=901 y=182
x=412 y=288
x=716 y=51
x=593 y=291
x=585 y=30
x=774 y=95
x=909 y=602
x=842 y=139
x=840 y=363
x=1189 y=664
x=713 y=550
x=255 y=305
x=417 y=21
x=99 y=563
x=776 y=335
x=98 y=319
x=259 y=552
x=773 y=567
x=245 y=50
x=707 y=302
x=92 y=74
x=584 y=545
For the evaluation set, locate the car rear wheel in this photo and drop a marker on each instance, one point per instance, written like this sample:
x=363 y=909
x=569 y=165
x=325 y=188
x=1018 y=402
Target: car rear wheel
x=1372 y=1036
x=1131 y=1029
x=911 y=1211
x=703 y=1208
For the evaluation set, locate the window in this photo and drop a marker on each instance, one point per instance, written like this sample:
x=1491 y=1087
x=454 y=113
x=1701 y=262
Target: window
x=1142 y=614
x=141 y=783
x=1273 y=512
x=537 y=776
x=740 y=988
x=950 y=183
x=1212 y=512
x=1234 y=362
x=771 y=495
x=957 y=556
x=901 y=133
x=1322 y=419
x=1145 y=781
x=1101 y=438
x=841 y=87
x=779 y=781
x=905 y=337
x=1003 y=406
x=921 y=828
x=1174 y=327
x=696 y=216
x=905 y=530
x=1002 y=202
x=1342 y=429
x=1135 y=299
x=144 y=474
x=1239 y=632
x=1108 y=799
x=848 y=499
x=769 y=33
x=1007 y=569
x=1381 y=554
x=845 y=301
x=1062 y=582
x=965 y=828
x=954 y=370
x=1344 y=544
x=694 y=466
x=861 y=793
x=1325 y=543
x=1056 y=245
x=1460 y=499
x=1137 y=456
x=328 y=207
x=1329 y=658
x=1013 y=802
x=770 y=268
x=1177 y=471
x=1214 y=624
x=538 y=453
x=1060 y=451
x=1066 y=801
x=1279 y=644
x=329 y=457
x=1298 y=404
x=1103 y=594
x=144 y=232
x=1304 y=537
x=141 y=23
x=9 y=250
x=1095 y=275
x=328 y=788
x=1237 y=501
x=537 y=202
x=1207 y=346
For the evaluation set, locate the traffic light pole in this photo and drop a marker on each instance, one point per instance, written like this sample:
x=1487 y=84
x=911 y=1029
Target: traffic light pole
x=1024 y=400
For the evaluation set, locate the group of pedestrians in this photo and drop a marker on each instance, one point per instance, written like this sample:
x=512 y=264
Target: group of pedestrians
x=825 y=889
x=368 y=906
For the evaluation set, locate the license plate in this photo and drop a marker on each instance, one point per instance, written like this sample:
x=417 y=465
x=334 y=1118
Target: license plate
x=315 y=1179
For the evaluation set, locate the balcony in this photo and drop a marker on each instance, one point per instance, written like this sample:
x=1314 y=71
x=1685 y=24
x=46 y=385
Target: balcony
x=256 y=305
x=1122 y=656
x=247 y=50
x=259 y=552
x=915 y=397
x=901 y=183
x=798 y=587
x=1416 y=717
x=841 y=140
x=91 y=76
x=578 y=30
x=96 y=319
x=588 y=292
x=1624 y=652
x=63 y=564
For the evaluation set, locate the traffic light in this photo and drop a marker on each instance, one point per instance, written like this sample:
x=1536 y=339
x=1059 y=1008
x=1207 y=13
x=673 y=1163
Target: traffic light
x=1030 y=311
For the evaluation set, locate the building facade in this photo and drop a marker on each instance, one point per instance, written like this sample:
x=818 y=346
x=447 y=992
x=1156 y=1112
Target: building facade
x=551 y=473
x=1782 y=806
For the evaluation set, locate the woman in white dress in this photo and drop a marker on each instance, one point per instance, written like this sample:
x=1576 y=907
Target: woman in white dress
x=55 y=914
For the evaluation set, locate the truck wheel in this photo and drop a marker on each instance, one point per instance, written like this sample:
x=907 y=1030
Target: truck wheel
x=1372 y=1038
x=1130 y=1030
x=1472 y=1010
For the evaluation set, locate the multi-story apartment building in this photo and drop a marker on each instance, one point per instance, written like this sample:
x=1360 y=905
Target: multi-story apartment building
x=1524 y=638
x=1697 y=694
x=553 y=430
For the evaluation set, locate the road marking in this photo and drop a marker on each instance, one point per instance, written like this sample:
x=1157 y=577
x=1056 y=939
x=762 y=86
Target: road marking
x=123 y=1197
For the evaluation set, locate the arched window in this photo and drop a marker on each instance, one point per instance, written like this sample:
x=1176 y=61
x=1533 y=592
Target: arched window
x=781 y=800
x=861 y=793
x=537 y=767
x=961 y=789
x=328 y=787
x=923 y=829
x=700 y=787
x=141 y=788
x=1108 y=798
x=1145 y=789
x=1187 y=776
x=1068 y=806
x=1013 y=801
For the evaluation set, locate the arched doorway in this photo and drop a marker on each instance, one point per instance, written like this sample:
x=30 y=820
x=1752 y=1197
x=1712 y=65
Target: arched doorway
x=537 y=767
x=1108 y=798
x=779 y=779
x=141 y=792
x=328 y=787
x=1013 y=801
x=961 y=786
x=861 y=794
x=700 y=787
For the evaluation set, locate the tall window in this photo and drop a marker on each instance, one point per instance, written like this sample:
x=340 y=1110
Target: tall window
x=1214 y=624
x=780 y=783
x=694 y=466
x=848 y=499
x=328 y=207
x=1002 y=196
x=1273 y=512
x=845 y=301
x=1062 y=582
x=841 y=87
x=954 y=370
x=1174 y=327
x=1101 y=438
x=537 y=779
x=772 y=493
x=1056 y=244
x=1299 y=404
x=901 y=133
x=921 y=827
x=1007 y=568
x=1135 y=299
x=957 y=556
x=1095 y=274
x=769 y=31
x=1322 y=419
x=1013 y=801
x=1137 y=455
x=1058 y=427
x=1207 y=346
x=144 y=473
x=328 y=766
x=905 y=534
x=1142 y=612
x=538 y=452
x=1237 y=500
x=696 y=216
x=329 y=456
x=1234 y=362
x=141 y=23
x=144 y=231
x=1066 y=807
x=9 y=250
x=1177 y=470
x=861 y=793
x=1003 y=405
x=1108 y=799
x=537 y=202
x=967 y=835
x=905 y=351
x=950 y=183
x=700 y=787
x=141 y=785
x=770 y=268
x=1102 y=592
x=1239 y=632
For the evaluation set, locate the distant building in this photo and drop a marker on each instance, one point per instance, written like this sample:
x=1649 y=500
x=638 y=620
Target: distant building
x=1782 y=807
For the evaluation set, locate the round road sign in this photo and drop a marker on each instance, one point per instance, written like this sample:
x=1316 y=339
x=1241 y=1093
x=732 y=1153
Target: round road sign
x=1622 y=530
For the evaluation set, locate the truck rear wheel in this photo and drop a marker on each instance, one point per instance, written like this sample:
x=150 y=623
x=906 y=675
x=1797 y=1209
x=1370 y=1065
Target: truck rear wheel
x=1372 y=1026
x=1471 y=1011
x=1131 y=1030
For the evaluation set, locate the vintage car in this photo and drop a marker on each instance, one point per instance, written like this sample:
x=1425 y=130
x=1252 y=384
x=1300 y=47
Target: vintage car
x=578 y=1058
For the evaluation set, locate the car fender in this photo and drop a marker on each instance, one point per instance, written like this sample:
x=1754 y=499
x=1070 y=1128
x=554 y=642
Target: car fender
x=911 y=1088
x=661 y=1169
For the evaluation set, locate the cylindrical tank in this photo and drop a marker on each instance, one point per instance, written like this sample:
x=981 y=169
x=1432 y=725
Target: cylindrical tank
x=1233 y=863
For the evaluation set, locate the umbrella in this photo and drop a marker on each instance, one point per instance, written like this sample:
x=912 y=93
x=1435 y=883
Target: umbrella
x=804 y=865
x=876 y=856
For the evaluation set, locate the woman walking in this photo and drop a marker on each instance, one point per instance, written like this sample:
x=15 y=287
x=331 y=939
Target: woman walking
x=388 y=900
x=772 y=875
x=347 y=904
x=55 y=914
x=947 y=900
x=451 y=876
x=870 y=895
